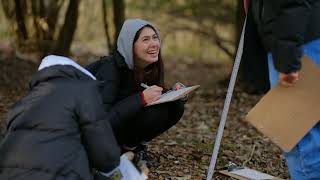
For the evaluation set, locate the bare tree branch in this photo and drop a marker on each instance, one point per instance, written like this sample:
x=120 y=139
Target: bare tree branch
x=119 y=15
x=65 y=38
x=106 y=25
x=213 y=35
x=20 y=18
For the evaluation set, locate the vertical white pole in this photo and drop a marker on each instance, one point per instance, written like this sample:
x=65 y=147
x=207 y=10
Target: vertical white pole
x=226 y=106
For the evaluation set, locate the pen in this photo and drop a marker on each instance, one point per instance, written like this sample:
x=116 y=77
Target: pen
x=144 y=85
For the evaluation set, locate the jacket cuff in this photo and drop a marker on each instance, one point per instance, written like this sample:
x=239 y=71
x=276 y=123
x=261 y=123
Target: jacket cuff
x=144 y=103
x=287 y=57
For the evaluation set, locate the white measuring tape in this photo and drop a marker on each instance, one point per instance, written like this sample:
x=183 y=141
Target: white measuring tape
x=226 y=105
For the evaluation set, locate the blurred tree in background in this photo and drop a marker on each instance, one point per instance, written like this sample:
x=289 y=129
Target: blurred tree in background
x=213 y=20
x=36 y=27
x=206 y=30
x=218 y=21
x=119 y=15
x=118 y=19
x=48 y=26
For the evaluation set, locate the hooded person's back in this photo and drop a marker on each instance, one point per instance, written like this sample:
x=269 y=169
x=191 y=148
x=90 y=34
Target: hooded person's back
x=58 y=130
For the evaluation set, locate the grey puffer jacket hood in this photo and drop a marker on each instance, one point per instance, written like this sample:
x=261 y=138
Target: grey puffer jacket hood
x=126 y=37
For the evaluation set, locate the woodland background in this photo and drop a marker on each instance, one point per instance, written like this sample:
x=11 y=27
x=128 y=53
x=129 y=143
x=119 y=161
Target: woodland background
x=199 y=42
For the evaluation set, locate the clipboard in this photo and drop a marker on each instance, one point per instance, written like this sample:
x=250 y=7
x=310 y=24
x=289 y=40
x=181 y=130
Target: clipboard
x=175 y=95
x=248 y=175
x=286 y=115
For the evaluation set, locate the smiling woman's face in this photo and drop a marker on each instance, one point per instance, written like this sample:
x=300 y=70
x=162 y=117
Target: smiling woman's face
x=146 y=48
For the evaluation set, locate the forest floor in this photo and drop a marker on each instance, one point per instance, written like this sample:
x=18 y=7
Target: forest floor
x=185 y=150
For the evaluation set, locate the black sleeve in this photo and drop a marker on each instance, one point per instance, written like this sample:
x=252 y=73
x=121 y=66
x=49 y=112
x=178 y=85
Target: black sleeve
x=117 y=111
x=288 y=30
x=120 y=111
x=97 y=135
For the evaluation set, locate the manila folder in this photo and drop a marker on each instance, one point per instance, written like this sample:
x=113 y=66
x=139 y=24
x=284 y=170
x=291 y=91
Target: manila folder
x=285 y=115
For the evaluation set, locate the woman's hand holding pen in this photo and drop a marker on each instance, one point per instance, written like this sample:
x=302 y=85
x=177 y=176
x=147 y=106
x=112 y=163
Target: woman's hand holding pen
x=152 y=93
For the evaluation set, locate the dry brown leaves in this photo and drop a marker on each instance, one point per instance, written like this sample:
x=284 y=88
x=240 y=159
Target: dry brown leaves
x=184 y=151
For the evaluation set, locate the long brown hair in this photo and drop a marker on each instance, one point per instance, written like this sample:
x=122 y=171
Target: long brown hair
x=153 y=74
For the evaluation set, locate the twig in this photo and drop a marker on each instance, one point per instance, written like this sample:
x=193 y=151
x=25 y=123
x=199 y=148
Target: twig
x=250 y=157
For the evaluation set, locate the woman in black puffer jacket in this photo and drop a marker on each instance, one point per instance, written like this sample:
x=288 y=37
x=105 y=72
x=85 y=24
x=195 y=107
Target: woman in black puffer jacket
x=136 y=60
x=59 y=129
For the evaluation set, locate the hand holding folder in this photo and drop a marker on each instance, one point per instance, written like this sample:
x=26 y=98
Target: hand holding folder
x=285 y=114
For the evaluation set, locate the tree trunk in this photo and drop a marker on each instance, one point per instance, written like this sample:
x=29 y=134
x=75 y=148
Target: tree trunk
x=8 y=9
x=119 y=15
x=34 y=24
x=20 y=19
x=53 y=12
x=110 y=44
x=37 y=8
x=63 y=43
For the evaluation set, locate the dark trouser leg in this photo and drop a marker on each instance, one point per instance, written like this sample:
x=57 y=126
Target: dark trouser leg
x=150 y=122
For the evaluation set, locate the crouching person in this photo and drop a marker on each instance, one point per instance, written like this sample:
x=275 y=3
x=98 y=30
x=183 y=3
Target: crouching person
x=59 y=129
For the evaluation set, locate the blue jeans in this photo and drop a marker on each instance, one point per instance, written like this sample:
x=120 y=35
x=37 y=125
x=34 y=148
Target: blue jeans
x=304 y=159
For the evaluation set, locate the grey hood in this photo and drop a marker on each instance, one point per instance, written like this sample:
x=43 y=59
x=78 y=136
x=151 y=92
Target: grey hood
x=126 y=37
x=53 y=60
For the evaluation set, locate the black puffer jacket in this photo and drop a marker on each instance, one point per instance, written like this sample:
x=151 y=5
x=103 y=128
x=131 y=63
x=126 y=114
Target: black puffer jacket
x=121 y=97
x=284 y=26
x=131 y=121
x=59 y=130
x=118 y=97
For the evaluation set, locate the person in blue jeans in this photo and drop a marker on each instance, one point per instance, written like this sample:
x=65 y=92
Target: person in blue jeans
x=304 y=159
x=280 y=32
